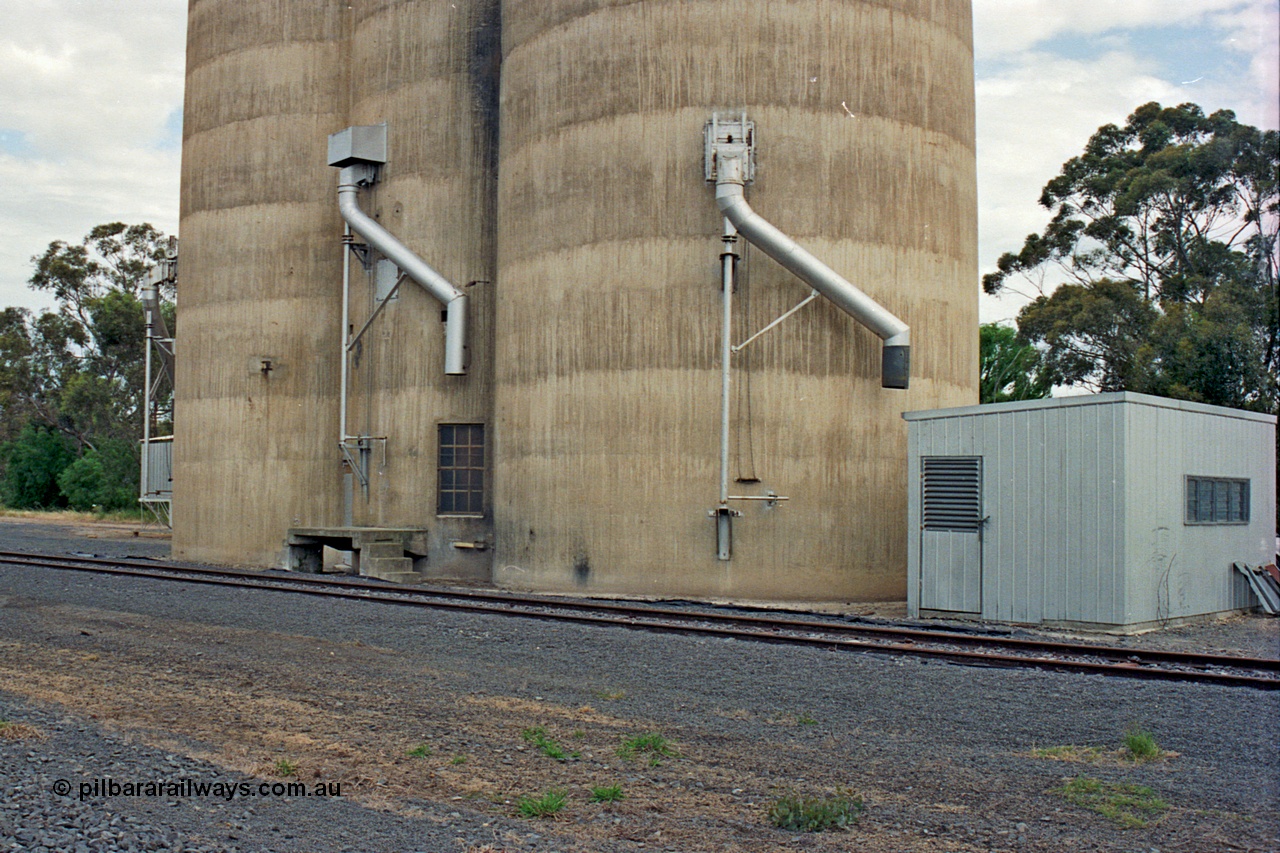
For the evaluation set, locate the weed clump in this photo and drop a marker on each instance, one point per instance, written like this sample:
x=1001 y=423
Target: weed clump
x=607 y=794
x=1140 y=745
x=1128 y=806
x=548 y=805
x=422 y=750
x=19 y=731
x=653 y=744
x=799 y=813
x=285 y=767
x=549 y=747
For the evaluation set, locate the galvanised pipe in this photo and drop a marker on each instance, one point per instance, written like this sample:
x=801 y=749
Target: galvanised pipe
x=731 y=199
x=453 y=299
x=151 y=304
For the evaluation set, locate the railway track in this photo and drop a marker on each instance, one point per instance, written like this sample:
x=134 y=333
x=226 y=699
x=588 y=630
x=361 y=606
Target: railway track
x=975 y=649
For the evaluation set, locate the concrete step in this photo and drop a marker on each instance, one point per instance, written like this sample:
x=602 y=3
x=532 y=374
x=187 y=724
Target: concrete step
x=382 y=567
x=382 y=550
x=401 y=577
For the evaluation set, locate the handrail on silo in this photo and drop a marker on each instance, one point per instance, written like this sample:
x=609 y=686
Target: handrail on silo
x=731 y=178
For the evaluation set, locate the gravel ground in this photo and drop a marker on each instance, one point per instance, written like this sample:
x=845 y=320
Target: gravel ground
x=131 y=678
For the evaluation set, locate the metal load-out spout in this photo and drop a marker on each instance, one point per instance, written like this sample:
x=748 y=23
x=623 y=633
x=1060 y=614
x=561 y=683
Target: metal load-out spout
x=731 y=178
x=358 y=151
x=440 y=288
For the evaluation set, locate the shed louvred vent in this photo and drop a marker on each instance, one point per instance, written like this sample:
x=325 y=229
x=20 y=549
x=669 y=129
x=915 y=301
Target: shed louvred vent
x=952 y=498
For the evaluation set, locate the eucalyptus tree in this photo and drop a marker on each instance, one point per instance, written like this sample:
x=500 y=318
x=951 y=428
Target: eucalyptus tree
x=1165 y=232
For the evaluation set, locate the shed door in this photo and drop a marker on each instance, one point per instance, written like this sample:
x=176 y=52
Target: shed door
x=951 y=534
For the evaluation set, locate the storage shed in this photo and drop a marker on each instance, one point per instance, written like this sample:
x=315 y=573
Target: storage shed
x=1112 y=511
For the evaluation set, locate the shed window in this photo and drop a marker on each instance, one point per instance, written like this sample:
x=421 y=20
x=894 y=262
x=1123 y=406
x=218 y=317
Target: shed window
x=952 y=492
x=461 y=467
x=1215 y=500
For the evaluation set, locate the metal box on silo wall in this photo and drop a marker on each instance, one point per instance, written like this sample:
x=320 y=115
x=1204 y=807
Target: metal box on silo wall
x=360 y=144
x=1083 y=510
x=607 y=380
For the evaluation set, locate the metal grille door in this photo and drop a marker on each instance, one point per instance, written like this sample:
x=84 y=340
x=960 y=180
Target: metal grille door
x=951 y=534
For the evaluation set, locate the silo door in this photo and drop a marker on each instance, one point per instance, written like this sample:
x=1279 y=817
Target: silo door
x=951 y=534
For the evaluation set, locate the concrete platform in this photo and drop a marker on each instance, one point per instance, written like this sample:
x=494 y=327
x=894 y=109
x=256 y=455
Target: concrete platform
x=393 y=554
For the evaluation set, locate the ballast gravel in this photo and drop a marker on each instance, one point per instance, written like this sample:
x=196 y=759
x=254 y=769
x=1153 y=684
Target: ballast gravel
x=36 y=817
x=128 y=677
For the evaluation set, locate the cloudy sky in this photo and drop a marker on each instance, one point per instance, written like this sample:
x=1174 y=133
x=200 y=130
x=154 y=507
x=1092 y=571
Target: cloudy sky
x=91 y=105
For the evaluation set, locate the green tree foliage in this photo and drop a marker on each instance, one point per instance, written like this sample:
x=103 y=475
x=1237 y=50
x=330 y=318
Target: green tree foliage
x=105 y=478
x=78 y=371
x=1166 y=229
x=1010 y=369
x=32 y=464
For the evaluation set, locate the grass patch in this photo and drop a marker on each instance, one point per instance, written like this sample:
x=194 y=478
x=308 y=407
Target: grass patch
x=1082 y=754
x=611 y=695
x=118 y=516
x=1128 y=806
x=19 y=731
x=285 y=767
x=548 y=805
x=538 y=737
x=607 y=794
x=799 y=813
x=652 y=744
x=1140 y=745
x=805 y=720
x=458 y=759
x=422 y=750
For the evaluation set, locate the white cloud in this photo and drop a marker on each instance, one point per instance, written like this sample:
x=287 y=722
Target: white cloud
x=1003 y=27
x=1037 y=108
x=1033 y=118
x=89 y=91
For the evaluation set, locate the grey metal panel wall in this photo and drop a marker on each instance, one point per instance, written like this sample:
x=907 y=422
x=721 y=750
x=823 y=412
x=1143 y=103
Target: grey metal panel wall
x=1053 y=487
x=1050 y=546
x=1175 y=569
x=1086 y=503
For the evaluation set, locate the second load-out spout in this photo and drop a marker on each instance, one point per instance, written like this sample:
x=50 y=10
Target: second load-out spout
x=731 y=178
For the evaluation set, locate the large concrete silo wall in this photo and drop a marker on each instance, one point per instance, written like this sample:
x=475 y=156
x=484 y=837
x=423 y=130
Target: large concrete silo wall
x=607 y=385
x=576 y=204
x=265 y=84
x=430 y=71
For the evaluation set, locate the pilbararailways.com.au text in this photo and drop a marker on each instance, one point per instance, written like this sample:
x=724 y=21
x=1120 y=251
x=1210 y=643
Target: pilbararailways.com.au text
x=182 y=789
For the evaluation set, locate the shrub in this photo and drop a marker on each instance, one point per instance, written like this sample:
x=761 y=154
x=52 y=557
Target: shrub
x=815 y=814
x=607 y=794
x=32 y=463
x=106 y=478
x=1128 y=806
x=538 y=737
x=1140 y=745
x=652 y=744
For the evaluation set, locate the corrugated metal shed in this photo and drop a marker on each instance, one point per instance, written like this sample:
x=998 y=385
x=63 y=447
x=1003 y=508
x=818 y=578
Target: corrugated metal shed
x=1075 y=510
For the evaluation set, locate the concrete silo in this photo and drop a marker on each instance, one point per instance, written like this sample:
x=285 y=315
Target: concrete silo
x=607 y=390
x=261 y=407
x=265 y=85
x=579 y=447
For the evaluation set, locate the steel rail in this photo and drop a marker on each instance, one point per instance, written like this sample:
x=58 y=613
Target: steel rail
x=1132 y=663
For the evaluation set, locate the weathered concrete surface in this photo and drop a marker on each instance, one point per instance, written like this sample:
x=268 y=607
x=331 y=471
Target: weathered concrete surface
x=607 y=396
